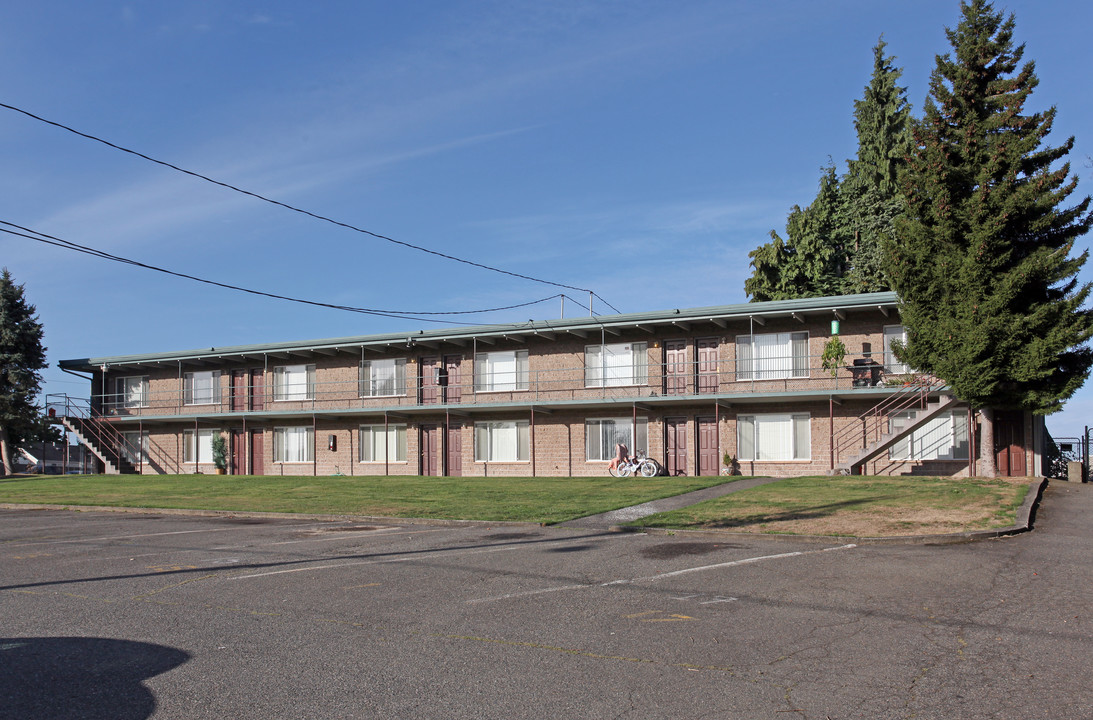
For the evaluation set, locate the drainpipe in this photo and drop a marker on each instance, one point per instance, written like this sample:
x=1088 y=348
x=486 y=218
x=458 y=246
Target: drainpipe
x=531 y=441
x=386 y=454
x=314 y=446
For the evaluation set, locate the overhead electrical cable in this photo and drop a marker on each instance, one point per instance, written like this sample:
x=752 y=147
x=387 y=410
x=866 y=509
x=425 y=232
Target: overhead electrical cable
x=399 y=314
x=300 y=210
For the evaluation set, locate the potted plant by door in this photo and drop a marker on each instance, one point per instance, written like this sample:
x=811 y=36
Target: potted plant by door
x=729 y=465
x=220 y=453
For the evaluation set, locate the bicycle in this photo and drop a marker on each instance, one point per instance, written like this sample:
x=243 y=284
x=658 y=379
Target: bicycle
x=637 y=465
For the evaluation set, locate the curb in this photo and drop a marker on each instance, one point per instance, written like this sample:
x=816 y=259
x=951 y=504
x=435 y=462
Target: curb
x=1025 y=515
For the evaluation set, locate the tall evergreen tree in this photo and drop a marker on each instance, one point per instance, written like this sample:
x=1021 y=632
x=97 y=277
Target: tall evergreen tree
x=870 y=189
x=989 y=291
x=832 y=247
x=21 y=358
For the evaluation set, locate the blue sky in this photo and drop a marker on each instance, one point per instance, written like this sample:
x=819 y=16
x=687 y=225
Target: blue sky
x=640 y=149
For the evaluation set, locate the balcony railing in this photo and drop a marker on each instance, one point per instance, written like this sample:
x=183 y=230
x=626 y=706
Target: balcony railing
x=766 y=375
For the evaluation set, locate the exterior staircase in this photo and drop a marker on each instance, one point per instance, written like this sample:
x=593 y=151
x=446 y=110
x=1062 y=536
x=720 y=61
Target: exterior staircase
x=872 y=435
x=95 y=433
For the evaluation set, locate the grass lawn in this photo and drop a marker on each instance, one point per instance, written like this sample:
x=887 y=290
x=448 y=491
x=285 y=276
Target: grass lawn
x=861 y=506
x=543 y=500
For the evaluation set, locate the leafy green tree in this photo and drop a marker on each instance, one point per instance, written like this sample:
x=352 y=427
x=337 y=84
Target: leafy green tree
x=812 y=260
x=21 y=358
x=982 y=259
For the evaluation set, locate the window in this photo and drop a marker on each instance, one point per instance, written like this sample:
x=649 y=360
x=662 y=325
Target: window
x=603 y=434
x=197 y=446
x=616 y=365
x=504 y=441
x=201 y=388
x=500 y=371
x=772 y=356
x=134 y=446
x=943 y=438
x=773 y=437
x=293 y=444
x=381 y=378
x=374 y=449
x=131 y=392
x=891 y=364
x=294 y=382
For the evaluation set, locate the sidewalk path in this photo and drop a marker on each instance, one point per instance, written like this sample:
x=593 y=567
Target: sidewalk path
x=634 y=512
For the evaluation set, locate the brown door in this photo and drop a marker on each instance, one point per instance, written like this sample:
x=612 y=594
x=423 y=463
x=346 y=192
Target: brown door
x=430 y=456
x=238 y=448
x=675 y=367
x=239 y=390
x=675 y=445
x=430 y=369
x=256 y=455
x=453 y=450
x=449 y=379
x=1009 y=442
x=706 y=351
x=257 y=391
x=707 y=446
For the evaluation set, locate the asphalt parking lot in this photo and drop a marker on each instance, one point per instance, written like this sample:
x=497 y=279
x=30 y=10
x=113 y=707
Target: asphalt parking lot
x=111 y=615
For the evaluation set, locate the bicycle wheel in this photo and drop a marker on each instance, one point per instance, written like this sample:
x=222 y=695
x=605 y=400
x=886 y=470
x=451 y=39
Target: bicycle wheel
x=649 y=468
x=625 y=470
x=614 y=472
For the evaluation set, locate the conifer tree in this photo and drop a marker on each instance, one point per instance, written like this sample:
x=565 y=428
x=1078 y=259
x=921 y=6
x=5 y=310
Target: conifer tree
x=832 y=247
x=982 y=259
x=870 y=189
x=21 y=358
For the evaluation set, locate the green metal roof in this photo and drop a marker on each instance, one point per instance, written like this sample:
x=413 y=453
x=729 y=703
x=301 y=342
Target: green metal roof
x=515 y=331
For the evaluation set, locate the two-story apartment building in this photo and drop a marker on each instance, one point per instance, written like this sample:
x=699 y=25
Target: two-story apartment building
x=549 y=398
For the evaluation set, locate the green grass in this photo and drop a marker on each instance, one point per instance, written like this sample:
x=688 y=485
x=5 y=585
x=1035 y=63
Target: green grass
x=543 y=500
x=856 y=505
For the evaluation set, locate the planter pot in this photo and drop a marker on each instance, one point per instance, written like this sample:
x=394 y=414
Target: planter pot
x=220 y=471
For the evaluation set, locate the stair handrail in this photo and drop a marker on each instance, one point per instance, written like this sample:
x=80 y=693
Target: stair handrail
x=874 y=422
x=109 y=439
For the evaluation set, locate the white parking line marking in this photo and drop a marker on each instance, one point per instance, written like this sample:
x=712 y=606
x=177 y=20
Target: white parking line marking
x=652 y=578
x=335 y=566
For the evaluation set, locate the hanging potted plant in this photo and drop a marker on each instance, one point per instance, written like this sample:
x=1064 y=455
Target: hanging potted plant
x=833 y=355
x=220 y=453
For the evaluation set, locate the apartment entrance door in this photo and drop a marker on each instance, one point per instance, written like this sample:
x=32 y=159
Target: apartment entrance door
x=707 y=446
x=675 y=367
x=430 y=450
x=675 y=445
x=238 y=445
x=1009 y=442
x=453 y=450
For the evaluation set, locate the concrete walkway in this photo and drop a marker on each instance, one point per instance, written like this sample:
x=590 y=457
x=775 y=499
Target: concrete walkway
x=635 y=512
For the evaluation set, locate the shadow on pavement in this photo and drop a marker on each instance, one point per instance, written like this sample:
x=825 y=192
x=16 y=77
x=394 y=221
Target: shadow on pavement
x=89 y=678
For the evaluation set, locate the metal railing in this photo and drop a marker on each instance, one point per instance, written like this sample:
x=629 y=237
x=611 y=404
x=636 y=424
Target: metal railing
x=167 y=396
x=107 y=440
x=868 y=428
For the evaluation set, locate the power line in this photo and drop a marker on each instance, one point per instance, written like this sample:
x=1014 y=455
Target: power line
x=299 y=210
x=399 y=314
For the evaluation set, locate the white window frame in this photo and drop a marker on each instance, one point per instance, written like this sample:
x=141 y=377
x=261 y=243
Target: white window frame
x=774 y=437
x=616 y=365
x=772 y=356
x=385 y=377
x=124 y=391
x=502 y=441
x=300 y=451
x=371 y=447
x=892 y=365
x=131 y=438
x=492 y=371
x=293 y=382
x=197 y=446
x=600 y=447
x=205 y=393
x=944 y=437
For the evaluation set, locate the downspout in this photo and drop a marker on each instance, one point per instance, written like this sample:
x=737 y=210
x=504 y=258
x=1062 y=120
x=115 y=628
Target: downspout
x=831 y=428
x=314 y=446
x=140 y=447
x=531 y=441
x=386 y=454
